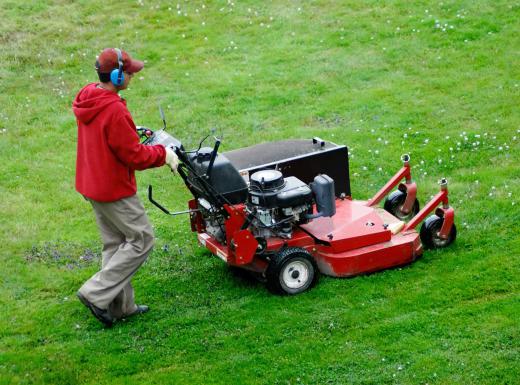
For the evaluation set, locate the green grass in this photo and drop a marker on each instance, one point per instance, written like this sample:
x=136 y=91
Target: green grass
x=383 y=78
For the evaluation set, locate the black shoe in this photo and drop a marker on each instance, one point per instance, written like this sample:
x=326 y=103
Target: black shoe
x=102 y=315
x=140 y=310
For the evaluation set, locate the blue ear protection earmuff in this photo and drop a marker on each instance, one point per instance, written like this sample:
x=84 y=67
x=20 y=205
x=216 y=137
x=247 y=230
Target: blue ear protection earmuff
x=116 y=76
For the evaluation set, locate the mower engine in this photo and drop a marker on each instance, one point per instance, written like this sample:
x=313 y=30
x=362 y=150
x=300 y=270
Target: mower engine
x=276 y=203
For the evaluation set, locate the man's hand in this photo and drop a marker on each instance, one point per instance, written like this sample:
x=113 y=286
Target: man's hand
x=172 y=160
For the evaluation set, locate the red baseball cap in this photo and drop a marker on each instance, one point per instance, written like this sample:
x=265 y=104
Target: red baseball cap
x=107 y=61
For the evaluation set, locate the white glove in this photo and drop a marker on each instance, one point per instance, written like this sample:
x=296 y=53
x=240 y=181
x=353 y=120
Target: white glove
x=172 y=160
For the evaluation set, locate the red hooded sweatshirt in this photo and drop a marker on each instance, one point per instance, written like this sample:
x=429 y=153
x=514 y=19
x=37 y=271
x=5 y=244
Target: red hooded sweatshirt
x=108 y=146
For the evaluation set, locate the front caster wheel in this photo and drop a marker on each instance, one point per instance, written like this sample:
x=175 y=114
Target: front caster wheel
x=291 y=271
x=430 y=233
x=394 y=205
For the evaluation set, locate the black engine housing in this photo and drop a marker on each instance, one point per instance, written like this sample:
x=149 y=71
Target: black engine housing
x=224 y=177
x=270 y=190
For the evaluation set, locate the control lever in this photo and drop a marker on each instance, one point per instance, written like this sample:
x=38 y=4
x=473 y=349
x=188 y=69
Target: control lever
x=213 y=157
x=164 y=210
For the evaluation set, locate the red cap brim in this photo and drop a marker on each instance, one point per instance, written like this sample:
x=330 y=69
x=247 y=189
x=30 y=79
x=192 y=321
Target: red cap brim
x=135 y=66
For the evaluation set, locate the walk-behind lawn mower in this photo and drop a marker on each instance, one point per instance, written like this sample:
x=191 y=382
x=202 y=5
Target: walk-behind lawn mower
x=283 y=211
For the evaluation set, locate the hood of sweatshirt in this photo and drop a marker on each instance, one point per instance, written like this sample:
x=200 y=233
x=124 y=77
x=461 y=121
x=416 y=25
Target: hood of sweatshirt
x=91 y=100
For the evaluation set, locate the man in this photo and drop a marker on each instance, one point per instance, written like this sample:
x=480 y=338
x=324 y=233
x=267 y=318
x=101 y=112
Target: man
x=108 y=153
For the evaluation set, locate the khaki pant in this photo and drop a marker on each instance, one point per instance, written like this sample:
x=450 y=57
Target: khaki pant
x=127 y=240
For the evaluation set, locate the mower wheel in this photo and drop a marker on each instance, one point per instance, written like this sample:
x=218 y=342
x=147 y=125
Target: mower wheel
x=430 y=233
x=291 y=271
x=394 y=203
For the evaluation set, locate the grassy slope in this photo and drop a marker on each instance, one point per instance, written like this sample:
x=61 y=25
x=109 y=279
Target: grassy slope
x=383 y=78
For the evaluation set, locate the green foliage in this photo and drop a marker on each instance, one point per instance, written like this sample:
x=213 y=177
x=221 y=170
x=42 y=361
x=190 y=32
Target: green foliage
x=437 y=80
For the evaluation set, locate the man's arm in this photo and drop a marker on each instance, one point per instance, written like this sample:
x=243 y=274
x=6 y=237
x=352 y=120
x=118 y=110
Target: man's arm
x=124 y=142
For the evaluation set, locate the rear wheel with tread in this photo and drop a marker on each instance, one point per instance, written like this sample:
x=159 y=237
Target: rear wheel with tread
x=291 y=271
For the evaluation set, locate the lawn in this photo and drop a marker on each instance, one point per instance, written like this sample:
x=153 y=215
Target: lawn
x=438 y=80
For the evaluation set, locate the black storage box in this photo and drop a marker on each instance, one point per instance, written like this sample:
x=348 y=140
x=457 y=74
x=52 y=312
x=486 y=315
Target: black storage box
x=302 y=158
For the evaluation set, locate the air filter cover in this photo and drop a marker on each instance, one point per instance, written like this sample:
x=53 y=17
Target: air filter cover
x=267 y=180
